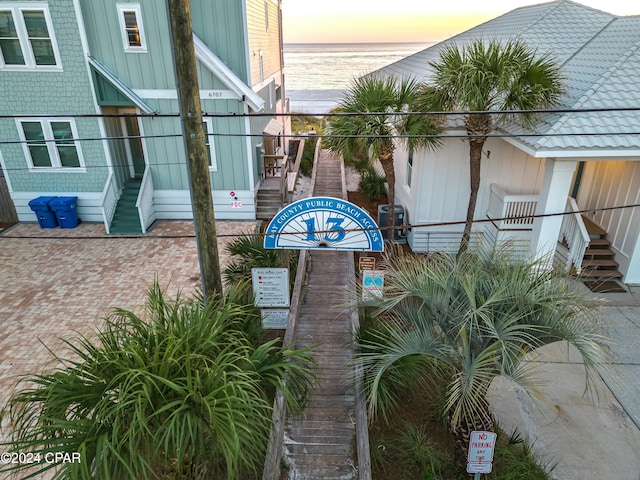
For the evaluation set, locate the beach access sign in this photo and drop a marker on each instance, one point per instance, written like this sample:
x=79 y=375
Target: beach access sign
x=323 y=223
x=481 y=447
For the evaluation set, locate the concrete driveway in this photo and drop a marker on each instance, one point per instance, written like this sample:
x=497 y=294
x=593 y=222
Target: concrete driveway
x=54 y=282
x=591 y=435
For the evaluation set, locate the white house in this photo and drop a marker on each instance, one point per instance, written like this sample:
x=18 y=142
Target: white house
x=587 y=160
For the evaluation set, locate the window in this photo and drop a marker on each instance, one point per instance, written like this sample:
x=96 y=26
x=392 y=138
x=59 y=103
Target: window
x=50 y=144
x=261 y=66
x=266 y=15
x=26 y=39
x=130 y=17
x=211 y=151
x=409 y=167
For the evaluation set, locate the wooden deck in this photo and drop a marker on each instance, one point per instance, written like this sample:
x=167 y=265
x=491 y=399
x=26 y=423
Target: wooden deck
x=319 y=444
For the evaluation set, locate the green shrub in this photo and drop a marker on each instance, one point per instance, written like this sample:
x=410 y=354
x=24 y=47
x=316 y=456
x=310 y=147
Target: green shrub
x=247 y=252
x=418 y=453
x=177 y=393
x=306 y=162
x=514 y=459
x=372 y=184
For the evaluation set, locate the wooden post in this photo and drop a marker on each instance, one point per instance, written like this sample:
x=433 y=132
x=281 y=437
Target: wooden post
x=184 y=58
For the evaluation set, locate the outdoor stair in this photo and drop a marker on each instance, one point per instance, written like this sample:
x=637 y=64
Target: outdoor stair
x=598 y=264
x=269 y=199
x=126 y=220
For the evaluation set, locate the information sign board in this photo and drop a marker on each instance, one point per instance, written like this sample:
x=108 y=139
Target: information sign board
x=372 y=284
x=274 y=319
x=479 y=467
x=271 y=287
x=367 y=263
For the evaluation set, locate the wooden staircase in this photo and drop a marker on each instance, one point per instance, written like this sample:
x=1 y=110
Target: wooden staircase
x=269 y=199
x=126 y=220
x=598 y=264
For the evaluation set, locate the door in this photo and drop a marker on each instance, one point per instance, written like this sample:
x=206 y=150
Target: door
x=134 y=148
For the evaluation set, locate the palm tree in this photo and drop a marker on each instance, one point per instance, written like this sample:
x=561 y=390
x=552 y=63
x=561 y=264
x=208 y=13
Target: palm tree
x=496 y=77
x=385 y=102
x=476 y=316
x=180 y=394
x=247 y=252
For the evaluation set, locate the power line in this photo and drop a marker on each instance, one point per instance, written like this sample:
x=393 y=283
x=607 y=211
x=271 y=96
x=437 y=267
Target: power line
x=387 y=228
x=323 y=135
x=330 y=114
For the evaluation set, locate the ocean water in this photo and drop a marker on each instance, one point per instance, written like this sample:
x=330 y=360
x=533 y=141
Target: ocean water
x=316 y=74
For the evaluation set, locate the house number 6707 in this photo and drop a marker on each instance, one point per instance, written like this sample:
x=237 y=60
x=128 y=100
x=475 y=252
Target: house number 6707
x=333 y=224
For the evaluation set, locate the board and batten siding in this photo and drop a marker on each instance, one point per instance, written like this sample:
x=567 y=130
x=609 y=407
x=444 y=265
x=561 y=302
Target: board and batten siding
x=439 y=190
x=220 y=24
x=165 y=151
x=150 y=69
x=613 y=183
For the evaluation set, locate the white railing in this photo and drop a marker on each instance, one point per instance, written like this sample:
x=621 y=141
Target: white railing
x=574 y=235
x=144 y=204
x=512 y=212
x=108 y=201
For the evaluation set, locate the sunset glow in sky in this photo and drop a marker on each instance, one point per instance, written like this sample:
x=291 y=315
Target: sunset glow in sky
x=341 y=21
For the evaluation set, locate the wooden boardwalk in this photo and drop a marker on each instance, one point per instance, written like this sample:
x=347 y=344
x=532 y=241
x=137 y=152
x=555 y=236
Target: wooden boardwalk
x=320 y=443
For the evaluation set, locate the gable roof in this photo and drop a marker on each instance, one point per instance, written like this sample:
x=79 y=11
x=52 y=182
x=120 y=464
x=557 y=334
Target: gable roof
x=216 y=66
x=599 y=54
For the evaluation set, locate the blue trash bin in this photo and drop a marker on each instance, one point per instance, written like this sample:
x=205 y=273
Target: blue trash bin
x=46 y=217
x=65 y=211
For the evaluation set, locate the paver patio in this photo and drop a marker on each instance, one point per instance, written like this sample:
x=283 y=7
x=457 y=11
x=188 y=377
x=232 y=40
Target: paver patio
x=54 y=282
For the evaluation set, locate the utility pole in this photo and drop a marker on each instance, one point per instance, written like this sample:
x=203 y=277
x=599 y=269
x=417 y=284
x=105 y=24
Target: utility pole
x=184 y=59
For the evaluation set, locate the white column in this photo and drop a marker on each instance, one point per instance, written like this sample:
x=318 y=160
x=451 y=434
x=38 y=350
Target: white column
x=555 y=189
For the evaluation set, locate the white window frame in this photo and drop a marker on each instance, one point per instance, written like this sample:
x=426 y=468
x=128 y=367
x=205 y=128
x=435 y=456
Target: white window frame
x=137 y=10
x=213 y=164
x=266 y=15
x=410 y=160
x=56 y=164
x=16 y=10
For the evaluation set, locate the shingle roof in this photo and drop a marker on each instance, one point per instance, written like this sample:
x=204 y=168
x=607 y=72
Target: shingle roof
x=600 y=58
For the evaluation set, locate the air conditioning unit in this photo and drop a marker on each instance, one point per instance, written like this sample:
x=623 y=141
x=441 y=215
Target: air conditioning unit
x=399 y=234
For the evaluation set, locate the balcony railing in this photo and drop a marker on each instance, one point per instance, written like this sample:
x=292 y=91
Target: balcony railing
x=511 y=212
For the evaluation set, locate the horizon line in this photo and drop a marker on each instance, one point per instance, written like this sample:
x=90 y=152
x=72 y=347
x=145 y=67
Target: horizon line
x=358 y=43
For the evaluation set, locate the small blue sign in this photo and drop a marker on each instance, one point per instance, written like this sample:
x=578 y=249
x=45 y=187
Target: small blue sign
x=323 y=223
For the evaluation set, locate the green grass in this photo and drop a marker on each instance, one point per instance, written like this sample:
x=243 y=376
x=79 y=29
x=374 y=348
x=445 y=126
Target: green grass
x=415 y=444
x=302 y=124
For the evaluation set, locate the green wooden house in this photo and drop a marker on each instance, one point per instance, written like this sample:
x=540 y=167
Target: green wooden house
x=87 y=92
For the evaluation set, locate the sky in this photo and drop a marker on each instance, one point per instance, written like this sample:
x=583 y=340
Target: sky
x=365 y=21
